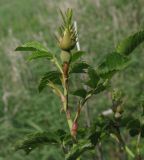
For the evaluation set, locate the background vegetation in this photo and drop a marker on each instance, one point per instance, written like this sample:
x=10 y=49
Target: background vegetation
x=101 y=24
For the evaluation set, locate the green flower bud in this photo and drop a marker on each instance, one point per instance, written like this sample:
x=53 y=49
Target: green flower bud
x=66 y=32
x=67 y=42
x=65 y=56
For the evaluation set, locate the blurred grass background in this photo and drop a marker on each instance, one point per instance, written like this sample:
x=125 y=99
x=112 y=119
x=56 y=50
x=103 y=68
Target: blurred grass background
x=101 y=25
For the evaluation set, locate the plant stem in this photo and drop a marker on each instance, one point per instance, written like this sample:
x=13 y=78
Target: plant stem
x=80 y=105
x=65 y=101
x=137 y=145
x=118 y=138
x=57 y=64
x=99 y=151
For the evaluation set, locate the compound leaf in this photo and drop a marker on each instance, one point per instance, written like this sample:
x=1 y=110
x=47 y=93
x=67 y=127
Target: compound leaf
x=113 y=62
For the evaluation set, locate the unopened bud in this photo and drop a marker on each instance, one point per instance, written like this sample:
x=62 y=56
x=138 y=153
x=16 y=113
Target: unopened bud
x=67 y=42
x=74 y=129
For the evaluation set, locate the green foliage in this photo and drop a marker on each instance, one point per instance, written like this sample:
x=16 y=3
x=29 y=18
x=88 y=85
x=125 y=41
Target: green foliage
x=133 y=132
x=130 y=43
x=79 y=149
x=112 y=63
x=93 y=78
x=40 y=54
x=39 y=51
x=98 y=81
x=80 y=67
x=77 y=55
x=50 y=77
x=32 y=46
x=80 y=93
x=97 y=38
x=35 y=140
x=100 y=88
x=134 y=123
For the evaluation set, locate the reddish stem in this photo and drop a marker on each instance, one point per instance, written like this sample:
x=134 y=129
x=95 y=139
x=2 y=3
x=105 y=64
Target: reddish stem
x=74 y=129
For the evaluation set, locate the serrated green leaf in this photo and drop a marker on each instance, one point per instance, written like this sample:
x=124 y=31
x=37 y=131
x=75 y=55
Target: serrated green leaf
x=107 y=75
x=79 y=67
x=35 y=140
x=40 y=54
x=92 y=74
x=77 y=55
x=32 y=46
x=93 y=78
x=52 y=76
x=100 y=88
x=80 y=93
x=78 y=149
x=130 y=43
x=113 y=62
